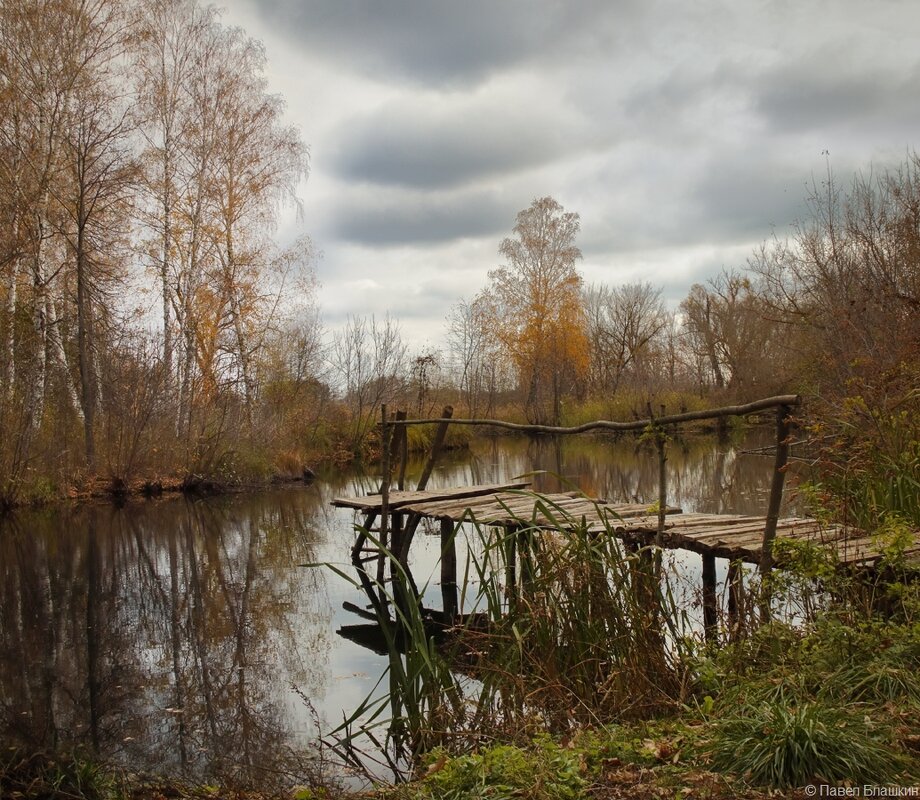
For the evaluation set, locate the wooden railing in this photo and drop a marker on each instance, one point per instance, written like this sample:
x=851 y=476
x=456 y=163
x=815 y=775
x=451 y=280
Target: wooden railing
x=394 y=441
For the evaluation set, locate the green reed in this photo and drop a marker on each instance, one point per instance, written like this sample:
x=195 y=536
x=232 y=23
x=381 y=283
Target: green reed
x=566 y=626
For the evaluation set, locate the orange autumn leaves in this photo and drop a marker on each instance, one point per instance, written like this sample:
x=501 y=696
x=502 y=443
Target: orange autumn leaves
x=536 y=308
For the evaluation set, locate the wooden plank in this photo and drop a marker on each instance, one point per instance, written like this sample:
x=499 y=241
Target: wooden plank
x=372 y=502
x=445 y=506
x=737 y=537
x=497 y=506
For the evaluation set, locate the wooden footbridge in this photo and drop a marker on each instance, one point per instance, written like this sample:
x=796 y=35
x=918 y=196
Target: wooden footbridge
x=740 y=539
x=734 y=537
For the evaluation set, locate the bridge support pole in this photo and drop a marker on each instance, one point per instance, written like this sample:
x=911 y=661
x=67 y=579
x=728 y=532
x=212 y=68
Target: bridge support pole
x=710 y=602
x=449 y=569
x=735 y=582
x=783 y=436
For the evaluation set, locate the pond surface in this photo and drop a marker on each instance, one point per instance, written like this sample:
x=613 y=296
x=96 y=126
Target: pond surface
x=183 y=636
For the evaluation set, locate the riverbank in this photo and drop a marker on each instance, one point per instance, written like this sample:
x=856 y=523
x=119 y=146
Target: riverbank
x=673 y=756
x=236 y=470
x=178 y=595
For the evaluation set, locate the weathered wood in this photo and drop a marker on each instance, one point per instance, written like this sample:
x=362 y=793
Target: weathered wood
x=448 y=568
x=710 y=603
x=661 y=446
x=624 y=427
x=399 y=500
x=385 y=432
x=361 y=538
x=436 y=445
x=735 y=581
x=783 y=434
x=511 y=562
x=737 y=538
x=402 y=449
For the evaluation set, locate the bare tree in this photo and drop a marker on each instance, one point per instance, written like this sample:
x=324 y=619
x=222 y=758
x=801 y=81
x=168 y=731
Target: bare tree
x=730 y=330
x=368 y=360
x=97 y=202
x=624 y=325
x=171 y=31
x=55 y=54
x=258 y=164
x=846 y=286
x=474 y=352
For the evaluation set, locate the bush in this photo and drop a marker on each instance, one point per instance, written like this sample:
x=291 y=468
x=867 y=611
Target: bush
x=776 y=744
x=544 y=771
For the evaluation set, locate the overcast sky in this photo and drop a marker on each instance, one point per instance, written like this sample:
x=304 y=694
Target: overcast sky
x=683 y=133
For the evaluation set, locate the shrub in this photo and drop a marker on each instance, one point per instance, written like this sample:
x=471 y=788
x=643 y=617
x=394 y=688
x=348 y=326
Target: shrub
x=776 y=744
x=544 y=771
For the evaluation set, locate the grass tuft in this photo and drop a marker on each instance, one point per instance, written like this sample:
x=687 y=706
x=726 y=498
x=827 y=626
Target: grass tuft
x=776 y=744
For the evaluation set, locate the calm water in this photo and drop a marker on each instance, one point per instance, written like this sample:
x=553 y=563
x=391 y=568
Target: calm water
x=183 y=636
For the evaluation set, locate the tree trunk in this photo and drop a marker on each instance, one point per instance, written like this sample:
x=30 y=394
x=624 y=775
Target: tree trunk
x=164 y=286
x=40 y=324
x=84 y=345
x=9 y=339
x=59 y=355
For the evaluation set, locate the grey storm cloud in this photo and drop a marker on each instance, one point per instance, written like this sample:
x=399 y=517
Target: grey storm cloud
x=393 y=219
x=738 y=197
x=441 y=41
x=406 y=145
x=812 y=94
x=684 y=134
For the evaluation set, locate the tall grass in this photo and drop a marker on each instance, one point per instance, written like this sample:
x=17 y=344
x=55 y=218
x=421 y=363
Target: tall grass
x=567 y=628
x=628 y=404
x=580 y=636
x=417 y=702
x=778 y=744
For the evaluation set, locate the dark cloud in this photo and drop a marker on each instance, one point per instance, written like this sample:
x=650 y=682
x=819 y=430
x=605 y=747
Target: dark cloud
x=406 y=146
x=392 y=219
x=742 y=196
x=818 y=93
x=683 y=134
x=437 y=42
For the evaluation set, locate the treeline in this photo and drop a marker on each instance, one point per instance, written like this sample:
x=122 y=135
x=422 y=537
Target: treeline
x=142 y=167
x=832 y=311
x=149 y=326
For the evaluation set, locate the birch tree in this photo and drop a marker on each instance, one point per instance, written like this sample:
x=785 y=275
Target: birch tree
x=537 y=299
x=170 y=36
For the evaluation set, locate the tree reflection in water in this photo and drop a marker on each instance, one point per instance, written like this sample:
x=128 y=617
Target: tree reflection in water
x=165 y=636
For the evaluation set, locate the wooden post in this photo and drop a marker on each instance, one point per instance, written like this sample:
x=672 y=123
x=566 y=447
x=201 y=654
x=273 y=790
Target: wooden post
x=735 y=581
x=662 y=487
x=511 y=535
x=525 y=547
x=413 y=521
x=385 y=431
x=710 y=604
x=449 y=569
x=439 y=435
x=783 y=435
x=402 y=447
x=396 y=524
x=361 y=538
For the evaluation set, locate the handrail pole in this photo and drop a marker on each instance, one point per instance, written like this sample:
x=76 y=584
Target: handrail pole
x=783 y=436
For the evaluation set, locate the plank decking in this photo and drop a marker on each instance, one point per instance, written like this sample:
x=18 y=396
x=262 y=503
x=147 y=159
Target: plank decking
x=716 y=535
